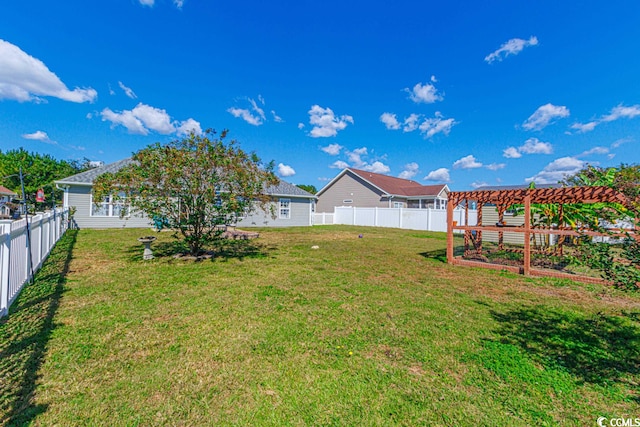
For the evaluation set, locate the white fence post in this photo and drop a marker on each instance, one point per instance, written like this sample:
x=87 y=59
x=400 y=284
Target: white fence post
x=5 y=256
x=12 y=278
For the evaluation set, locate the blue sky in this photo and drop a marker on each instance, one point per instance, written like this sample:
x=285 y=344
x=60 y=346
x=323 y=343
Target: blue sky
x=467 y=93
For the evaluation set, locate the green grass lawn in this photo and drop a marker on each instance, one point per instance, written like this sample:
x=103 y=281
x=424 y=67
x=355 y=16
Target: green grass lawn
x=362 y=331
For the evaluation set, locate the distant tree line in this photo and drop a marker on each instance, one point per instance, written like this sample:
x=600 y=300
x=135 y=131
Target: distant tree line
x=39 y=172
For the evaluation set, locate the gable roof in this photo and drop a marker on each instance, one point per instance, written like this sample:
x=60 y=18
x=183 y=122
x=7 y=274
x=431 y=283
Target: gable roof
x=391 y=185
x=87 y=178
x=6 y=192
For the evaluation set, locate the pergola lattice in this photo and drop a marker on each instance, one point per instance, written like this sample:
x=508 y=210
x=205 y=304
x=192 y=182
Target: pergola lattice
x=503 y=200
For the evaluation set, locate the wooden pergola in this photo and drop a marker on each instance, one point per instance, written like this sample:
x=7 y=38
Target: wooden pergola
x=503 y=200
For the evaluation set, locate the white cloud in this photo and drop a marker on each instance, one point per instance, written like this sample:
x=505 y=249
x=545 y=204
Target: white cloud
x=37 y=136
x=339 y=164
x=617 y=143
x=285 y=170
x=511 y=47
x=467 y=162
x=410 y=170
x=440 y=175
x=584 y=127
x=511 y=153
x=154 y=118
x=557 y=170
x=25 y=78
x=111 y=91
x=377 y=167
x=188 y=126
x=495 y=166
x=535 y=146
x=300 y=125
x=254 y=116
x=530 y=146
x=355 y=157
x=276 y=118
x=127 y=119
x=478 y=184
x=245 y=115
x=178 y=3
x=544 y=115
x=433 y=126
x=147 y=2
x=144 y=118
x=594 y=150
x=332 y=149
x=411 y=123
x=256 y=108
x=426 y=93
x=127 y=90
x=325 y=123
x=619 y=112
x=390 y=121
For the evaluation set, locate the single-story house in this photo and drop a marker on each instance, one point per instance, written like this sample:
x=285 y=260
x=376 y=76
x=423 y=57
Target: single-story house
x=359 y=188
x=6 y=196
x=293 y=206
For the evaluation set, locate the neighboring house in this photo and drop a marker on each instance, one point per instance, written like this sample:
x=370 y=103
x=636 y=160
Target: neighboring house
x=354 y=187
x=6 y=196
x=292 y=205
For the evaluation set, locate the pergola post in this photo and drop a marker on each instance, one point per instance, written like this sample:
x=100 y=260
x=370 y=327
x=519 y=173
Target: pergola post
x=466 y=232
x=527 y=234
x=500 y=233
x=478 y=241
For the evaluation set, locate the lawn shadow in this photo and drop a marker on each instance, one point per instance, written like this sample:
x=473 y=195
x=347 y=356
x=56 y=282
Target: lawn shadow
x=598 y=348
x=441 y=254
x=25 y=333
x=224 y=249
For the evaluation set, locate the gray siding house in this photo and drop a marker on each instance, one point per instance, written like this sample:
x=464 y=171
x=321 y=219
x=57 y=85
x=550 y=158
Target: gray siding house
x=292 y=205
x=354 y=187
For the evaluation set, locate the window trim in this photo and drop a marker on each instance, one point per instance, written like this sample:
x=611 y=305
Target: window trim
x=110 y=204
x=282 y=208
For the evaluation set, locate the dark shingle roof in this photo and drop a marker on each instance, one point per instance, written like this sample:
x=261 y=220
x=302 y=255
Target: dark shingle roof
x=286 y=189
x=88 y=177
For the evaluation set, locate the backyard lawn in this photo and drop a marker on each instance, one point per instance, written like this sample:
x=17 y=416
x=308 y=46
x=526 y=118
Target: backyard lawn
x=364 y=331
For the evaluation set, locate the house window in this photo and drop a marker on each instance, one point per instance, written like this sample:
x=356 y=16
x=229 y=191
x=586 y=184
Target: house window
x=398 y=204
x=347 y=201
x=284 y=210
x=110 y=206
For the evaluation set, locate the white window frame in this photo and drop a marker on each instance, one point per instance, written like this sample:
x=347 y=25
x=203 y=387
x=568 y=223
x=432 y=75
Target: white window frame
x=284 y=208
x=398 y=205
x=108 y=205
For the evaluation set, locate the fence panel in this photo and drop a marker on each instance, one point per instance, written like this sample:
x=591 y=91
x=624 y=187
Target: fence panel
x=416 y=219
x=23 y=250
x=407 y=218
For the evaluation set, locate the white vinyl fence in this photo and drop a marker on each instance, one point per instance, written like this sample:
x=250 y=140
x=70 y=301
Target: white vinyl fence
x=411 y=219
x=21 y=257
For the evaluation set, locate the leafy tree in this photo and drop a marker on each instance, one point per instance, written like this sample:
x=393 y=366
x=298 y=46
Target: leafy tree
x=308 y=188
x=39 y=171
x=621 y=263
x=192 y=185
